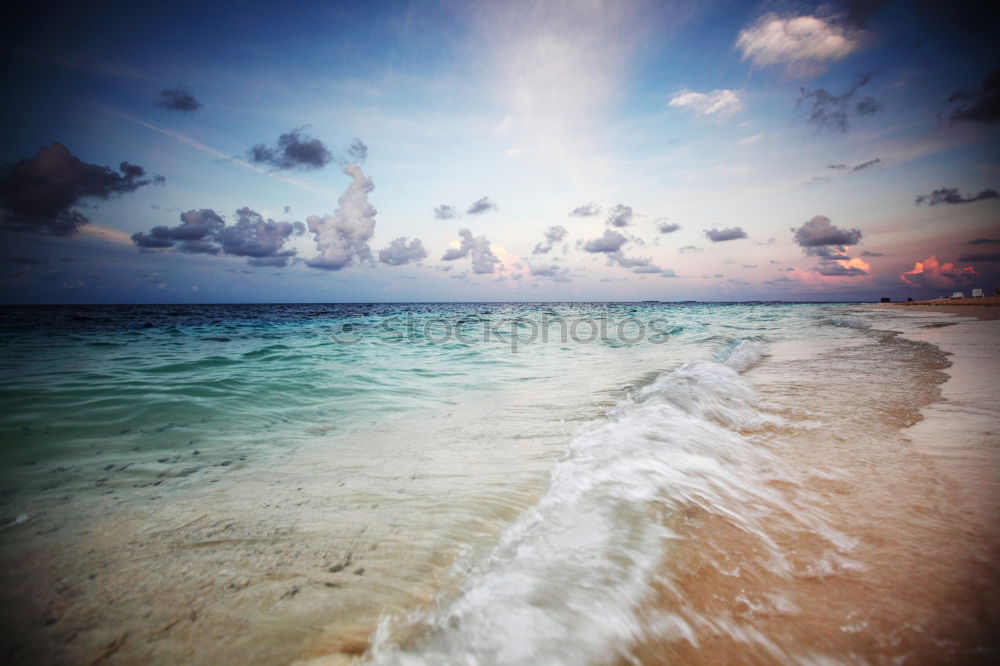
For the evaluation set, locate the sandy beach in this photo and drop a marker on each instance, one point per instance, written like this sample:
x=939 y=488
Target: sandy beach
x=982 y=308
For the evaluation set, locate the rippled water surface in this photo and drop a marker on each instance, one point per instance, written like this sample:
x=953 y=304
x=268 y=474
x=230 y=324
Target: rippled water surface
x=480 y=484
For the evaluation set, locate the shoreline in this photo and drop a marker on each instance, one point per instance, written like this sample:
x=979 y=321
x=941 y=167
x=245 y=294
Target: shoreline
x=987 y=307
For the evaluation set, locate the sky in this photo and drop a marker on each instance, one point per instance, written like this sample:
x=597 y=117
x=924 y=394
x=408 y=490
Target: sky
x=498 y=151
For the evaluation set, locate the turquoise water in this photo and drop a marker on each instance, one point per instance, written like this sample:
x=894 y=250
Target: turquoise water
x=140 y=383
x=437 y=483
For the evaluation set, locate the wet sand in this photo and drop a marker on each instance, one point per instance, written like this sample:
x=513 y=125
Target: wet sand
x=914 y=574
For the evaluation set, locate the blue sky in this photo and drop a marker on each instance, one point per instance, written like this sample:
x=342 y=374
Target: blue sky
x=711 y=151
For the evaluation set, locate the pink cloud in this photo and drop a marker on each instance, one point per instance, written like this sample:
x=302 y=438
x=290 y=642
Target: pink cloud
x=932 y=273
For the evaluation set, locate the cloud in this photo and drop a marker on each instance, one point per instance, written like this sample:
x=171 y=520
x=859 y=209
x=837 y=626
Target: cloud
x=483 y=259
x=195 y=233
x=978 y=256
x=750 y=140
x=402 y=251
x=721 y=103
x=611 y=241
x=294 y=150
x=720 y=235
x=629 y=262
x=820 y=231
x=550 y=271
x=866 y=253
x=841 y=268
x=801 y=44
x=205 y=232
x=342 y=238
x=667 y=227
x=553 y=235
x=983 y=241
x=38 y=195
x=932 y=273
x=587 y=210
x=480 y=206
x=619 y=216
x=831 y=113
x=177 y=99
x=820 y=238
x=446 y=212
x=981 y=105
x=639 y=265
x=261 y=241
x=357 y=151
x=688 y=249
x=951 y=195
x=866 y=165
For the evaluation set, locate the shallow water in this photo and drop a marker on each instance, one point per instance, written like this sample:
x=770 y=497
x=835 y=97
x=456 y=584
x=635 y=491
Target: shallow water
x=411 y=484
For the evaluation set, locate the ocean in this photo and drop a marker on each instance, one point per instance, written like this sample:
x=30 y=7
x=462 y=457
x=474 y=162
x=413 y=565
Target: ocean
x=536 y=483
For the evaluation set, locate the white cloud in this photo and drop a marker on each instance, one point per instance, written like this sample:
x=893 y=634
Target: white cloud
x=799 y=43
x=721 y=103
x=505 y=125
x=750 y=140
x=342 y=238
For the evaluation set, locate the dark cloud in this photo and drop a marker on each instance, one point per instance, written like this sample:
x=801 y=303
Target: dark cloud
x=827 y=251
x=978 y=256
x=357 y=151
x=981 y=105
x=553 y=235
x=550 y=271
x=832 y=268
x=667 y=227
x=866 y=253
x=446 y=212
x=611 y=241
x=294 y=150
x=639 y=265
x=984 y=241
x=820 y=238
x=819 y=231
x=260 y=240
x=687 y=249
x=37 y=195
x=830 y=113
x=195 y=233
x=720 y=235
x=480 y=206
x=204 y=231
x=177 y=99
x=866 y=106
x=342 y=238
x=630 y=262
x=402 y=251
x=483 y=259
x=587 y=210
x=866 y=165
x=619 y=216
x=951 y=195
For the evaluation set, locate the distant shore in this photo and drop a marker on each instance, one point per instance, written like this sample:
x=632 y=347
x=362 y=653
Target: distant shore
x=987 y=307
